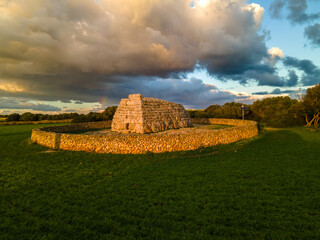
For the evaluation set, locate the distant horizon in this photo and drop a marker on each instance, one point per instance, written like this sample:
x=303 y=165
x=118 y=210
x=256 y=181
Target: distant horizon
x=21 y=111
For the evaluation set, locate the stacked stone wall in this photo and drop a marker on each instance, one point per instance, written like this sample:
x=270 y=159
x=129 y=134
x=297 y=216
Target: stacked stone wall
x=221 y=121
x=135 y=144
x=160 y=115
x=51 y=136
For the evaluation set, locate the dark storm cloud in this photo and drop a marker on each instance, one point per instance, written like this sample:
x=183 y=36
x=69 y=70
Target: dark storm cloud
x=192 y=93
x=294 y=94
x=269 y=78
x=86 y=87
x=279 y=91
x=304 y=65
x=296 y=11
x=292 y=79
x=276 y=91
x=260 y=93
x=245 y=59
x=312 y=33
x=70 y=110
x=265 y=78
x=311 y=73
x=10 y=103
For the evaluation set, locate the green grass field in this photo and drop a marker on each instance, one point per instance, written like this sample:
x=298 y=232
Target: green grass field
x=264 y=188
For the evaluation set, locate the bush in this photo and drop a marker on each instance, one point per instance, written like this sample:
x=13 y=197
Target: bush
x=197 y=114
x=109 y=112
x=230 y=110
x=95 y=117
x=311 y=106
x=90 y=117
x=277 y=112
x=28 y=116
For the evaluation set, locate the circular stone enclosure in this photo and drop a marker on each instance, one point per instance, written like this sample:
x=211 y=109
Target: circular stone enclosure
x=60 y=137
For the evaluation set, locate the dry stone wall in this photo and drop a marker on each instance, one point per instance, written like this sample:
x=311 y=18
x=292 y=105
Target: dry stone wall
x=145 y=115
x=51 y=136
x=57 y=138
x=221 y=121
x=160 y=115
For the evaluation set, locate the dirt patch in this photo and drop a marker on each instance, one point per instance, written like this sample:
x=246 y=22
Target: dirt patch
x=49 y=151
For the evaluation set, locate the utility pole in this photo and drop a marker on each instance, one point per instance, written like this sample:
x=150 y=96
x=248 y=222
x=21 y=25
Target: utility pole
x=243 y=108
x=242 y=112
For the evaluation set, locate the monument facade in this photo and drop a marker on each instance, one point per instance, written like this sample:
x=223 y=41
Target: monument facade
x=138 y=114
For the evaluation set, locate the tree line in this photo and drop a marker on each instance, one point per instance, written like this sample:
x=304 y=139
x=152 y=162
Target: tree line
x=274 y=112
x=107 y=114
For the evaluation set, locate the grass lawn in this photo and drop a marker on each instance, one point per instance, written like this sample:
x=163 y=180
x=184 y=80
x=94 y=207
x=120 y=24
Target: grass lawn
x=264 y=188
x=218 y=126
x=84 y=131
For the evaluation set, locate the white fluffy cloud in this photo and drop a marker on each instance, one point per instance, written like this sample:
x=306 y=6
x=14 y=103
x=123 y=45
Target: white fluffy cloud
x=275 y=52
x=274 y=55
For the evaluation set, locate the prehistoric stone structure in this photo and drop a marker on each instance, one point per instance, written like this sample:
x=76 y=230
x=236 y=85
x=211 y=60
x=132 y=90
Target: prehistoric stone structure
x=145 y=115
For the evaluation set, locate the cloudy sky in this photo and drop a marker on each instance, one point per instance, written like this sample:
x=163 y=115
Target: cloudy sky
x=84 y=55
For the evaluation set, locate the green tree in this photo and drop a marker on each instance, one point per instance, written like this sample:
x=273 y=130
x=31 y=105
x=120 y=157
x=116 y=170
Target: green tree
x=214 y=111
x=311 y=106
x=13 y=117
x=28 y=116
x=276 y=112
x=80 y=119
x=109 y=112
x=197 y=113
x=231 y=110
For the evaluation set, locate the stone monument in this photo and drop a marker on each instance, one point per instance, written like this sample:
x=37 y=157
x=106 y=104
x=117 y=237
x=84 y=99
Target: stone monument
x=138 y=114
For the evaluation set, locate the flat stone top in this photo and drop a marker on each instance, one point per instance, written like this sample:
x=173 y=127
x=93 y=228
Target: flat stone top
x=147 y=99
x=135 y=96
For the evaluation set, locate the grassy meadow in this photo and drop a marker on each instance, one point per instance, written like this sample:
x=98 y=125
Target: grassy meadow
x=267 y=187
